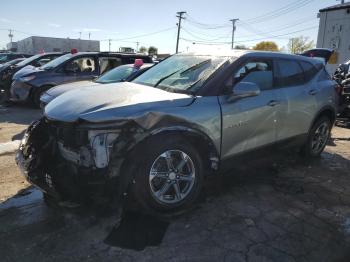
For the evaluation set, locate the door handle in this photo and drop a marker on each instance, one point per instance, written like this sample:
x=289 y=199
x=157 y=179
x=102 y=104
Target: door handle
x=313 y=92
x=273 y=103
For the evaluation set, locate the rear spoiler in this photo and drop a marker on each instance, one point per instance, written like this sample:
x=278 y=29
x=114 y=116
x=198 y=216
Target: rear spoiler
x=319 y=53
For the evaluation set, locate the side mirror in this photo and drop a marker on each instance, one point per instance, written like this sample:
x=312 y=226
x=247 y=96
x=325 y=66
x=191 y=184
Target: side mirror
x=246 y=89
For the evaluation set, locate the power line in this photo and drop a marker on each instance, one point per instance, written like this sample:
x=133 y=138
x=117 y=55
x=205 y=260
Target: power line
x=278 y=29
x=249 y=40
x=205 y=39
x=139 y=36
x=279 y=12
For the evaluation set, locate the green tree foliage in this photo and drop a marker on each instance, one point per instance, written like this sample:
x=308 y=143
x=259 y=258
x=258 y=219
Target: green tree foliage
x=266 y=46
x=143 y=49
x=300 y=44
x=152 y=50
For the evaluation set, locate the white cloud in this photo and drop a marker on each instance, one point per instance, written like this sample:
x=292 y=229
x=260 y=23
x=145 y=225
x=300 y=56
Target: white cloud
x=54 y=25
x=5 y=20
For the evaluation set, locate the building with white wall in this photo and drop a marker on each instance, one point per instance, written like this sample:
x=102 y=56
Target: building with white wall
x=36 y=44
x=334 y=32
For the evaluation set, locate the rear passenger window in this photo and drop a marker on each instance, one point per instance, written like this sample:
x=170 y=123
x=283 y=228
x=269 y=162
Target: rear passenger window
x=290 y=74
x=309 y=70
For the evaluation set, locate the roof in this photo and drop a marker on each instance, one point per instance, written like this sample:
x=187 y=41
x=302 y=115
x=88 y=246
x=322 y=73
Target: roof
x=336 y=7
x=252 y=53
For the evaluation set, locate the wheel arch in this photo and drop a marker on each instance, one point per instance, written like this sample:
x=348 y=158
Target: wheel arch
x=197 y=138
x=327 y=111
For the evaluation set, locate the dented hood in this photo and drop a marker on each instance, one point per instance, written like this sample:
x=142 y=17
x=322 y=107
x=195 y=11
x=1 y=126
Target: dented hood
x=111 y=102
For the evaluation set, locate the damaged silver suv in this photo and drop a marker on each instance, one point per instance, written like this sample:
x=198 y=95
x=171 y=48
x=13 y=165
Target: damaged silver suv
x=191 y=115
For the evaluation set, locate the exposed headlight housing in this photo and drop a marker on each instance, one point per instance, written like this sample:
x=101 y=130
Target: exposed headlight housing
x=27 y=78
x=101 y=142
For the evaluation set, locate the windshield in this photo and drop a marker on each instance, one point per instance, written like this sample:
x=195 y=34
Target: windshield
x=28 y=60
x=180 y=73
x=56 y=62
x=3 y=58
x=115 y=75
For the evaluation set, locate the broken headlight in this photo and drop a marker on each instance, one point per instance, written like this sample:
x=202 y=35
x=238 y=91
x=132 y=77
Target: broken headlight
x=101 y=142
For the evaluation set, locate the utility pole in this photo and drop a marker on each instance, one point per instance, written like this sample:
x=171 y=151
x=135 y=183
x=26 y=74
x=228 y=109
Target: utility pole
x=109 y=44
x=233 y=31
x=180 y=16
x=137 y=47
x=89 y=35
x=10 y=35
x=79 y=35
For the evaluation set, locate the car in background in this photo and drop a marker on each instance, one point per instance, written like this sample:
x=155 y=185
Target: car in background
x=10 y=63
x=118 y=74
x=156 y=139
x=30 y=83
x=30 y=62
x=7 y=57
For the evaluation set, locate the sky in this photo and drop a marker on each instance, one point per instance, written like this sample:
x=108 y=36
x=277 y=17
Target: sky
x=154 y=22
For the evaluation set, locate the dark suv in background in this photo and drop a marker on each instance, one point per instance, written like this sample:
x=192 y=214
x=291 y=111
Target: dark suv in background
x=30 y=83
x=7 y=57
x=7 y=73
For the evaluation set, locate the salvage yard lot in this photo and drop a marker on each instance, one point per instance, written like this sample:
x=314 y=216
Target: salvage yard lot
x=276 y=209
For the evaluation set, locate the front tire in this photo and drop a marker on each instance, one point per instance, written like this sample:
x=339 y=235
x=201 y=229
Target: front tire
x=169 y=175
x=37 y=92
x=317 y=138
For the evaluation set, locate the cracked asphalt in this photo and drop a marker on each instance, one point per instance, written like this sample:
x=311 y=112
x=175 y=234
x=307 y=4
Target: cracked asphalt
x=280 y=208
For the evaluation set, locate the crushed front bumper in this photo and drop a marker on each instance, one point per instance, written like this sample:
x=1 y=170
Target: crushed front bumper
x=40 y=162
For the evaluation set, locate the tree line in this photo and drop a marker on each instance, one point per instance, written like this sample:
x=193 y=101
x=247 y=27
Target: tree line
x=295 y=45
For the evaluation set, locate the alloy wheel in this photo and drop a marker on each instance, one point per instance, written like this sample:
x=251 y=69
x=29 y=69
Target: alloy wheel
x=320 y=138
x=172 y=177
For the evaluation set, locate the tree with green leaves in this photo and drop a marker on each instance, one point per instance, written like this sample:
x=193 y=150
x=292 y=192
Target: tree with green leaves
x=266 y=46
x=143 y=49
x=152 y=50
x=300 y=44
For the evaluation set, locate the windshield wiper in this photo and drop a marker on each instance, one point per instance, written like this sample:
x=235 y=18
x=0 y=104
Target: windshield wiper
x=194 y=67
x=165 y=77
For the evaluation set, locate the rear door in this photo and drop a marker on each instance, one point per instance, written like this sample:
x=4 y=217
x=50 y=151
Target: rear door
x=249 y=123
x=297 y=96
x=108 y=63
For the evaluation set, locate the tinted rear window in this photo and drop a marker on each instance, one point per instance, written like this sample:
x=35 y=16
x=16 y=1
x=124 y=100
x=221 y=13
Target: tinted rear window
x=309 y=70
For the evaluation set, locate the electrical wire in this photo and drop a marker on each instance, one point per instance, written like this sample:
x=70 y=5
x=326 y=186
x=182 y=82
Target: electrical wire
x=279 y=12
x=248 y=40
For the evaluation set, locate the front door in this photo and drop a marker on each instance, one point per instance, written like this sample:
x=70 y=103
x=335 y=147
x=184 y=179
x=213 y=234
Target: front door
x=249 y=123
x=80 y=68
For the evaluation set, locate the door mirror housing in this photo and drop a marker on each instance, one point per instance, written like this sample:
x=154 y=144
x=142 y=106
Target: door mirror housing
x=245 y=89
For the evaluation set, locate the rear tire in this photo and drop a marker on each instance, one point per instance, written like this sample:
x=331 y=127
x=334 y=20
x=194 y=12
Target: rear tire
x=169 y=175
x=317 y=138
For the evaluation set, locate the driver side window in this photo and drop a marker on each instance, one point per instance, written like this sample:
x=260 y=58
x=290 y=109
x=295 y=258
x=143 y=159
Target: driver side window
x=259 y=72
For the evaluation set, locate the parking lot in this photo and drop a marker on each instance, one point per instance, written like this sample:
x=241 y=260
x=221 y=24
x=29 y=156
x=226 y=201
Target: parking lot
x=281 y=208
